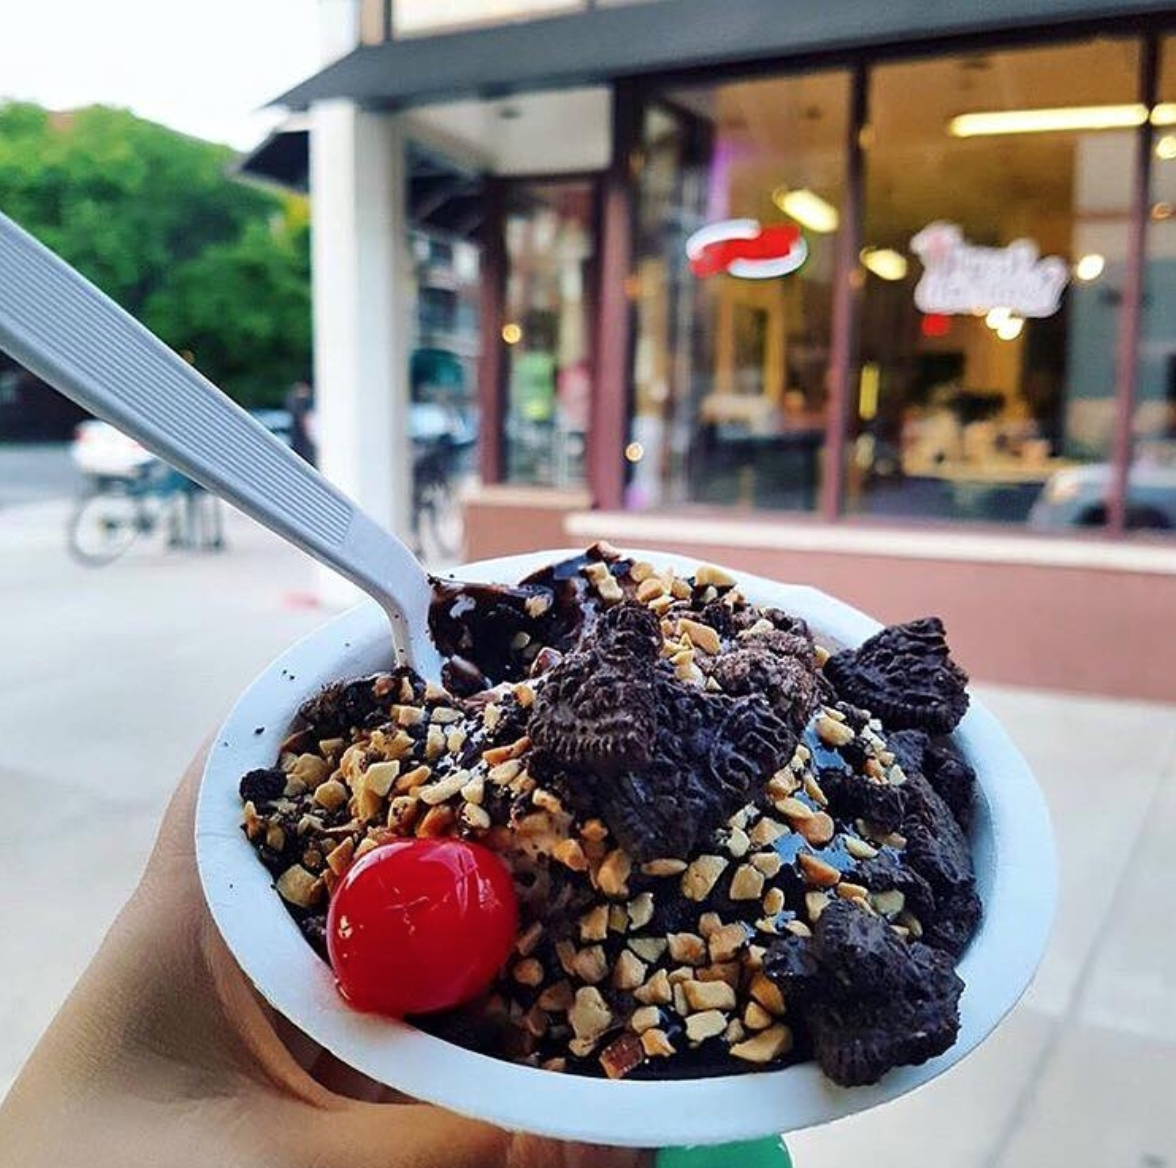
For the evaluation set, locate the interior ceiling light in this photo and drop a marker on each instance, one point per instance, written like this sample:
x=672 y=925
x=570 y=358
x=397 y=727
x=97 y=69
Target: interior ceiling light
x=885 y=262
x=1010 y=329
x=808 y=209
x=1166 y=147
x=995 y=317
x=1075 y=117
x=1089 y=267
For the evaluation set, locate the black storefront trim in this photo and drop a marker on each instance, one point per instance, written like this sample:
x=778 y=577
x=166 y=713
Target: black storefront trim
x=601 y=44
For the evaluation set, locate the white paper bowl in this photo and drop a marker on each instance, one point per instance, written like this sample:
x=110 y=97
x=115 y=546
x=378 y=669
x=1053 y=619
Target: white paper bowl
x=1015 y=872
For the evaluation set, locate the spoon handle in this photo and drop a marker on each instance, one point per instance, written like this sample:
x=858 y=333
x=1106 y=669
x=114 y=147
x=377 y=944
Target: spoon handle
x=58 y=325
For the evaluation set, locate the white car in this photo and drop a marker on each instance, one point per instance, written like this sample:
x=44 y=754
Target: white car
x=1078 y=497
x=101 y=451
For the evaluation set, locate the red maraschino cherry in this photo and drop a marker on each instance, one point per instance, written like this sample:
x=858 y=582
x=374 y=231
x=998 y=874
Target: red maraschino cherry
x=419 y=925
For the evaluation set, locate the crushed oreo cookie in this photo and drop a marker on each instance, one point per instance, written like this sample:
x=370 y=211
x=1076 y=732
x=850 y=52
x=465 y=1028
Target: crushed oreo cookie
x=904 y=675
x=661 y=763
x=869 y=999
x=730 y=853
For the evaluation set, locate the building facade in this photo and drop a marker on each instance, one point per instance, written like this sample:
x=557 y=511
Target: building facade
x=879 y=299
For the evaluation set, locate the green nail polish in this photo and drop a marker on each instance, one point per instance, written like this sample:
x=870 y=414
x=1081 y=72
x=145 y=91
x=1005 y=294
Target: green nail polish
x=768 y=1153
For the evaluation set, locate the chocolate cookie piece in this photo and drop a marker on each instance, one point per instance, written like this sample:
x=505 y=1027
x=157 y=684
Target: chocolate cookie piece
x=904 y=675
x=596 y=711
x=909 y=748
x=937 y=850
x=359 y=704
x=936 y=847
x=661 y=762
x=794 y=965
x=868 y=999
x=262 y=786
x=955 y=921
x=884 y=872
x=857 y=1043
x=314 y=929
x=720 y=618
x=853 y=796
x=785 y=622
x=953 y=780
x=778 y=665
x=708 y=753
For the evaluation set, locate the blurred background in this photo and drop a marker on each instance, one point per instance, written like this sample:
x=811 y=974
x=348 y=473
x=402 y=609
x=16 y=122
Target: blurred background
x=486 y=262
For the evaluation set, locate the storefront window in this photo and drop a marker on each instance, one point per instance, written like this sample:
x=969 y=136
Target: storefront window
x=1151 y=494
x=739 y=207
x=997 y=206
x=545 y=332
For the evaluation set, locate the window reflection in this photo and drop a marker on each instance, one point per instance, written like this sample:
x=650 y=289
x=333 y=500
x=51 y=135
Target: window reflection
x=550 y=248
x=1151 y=494
x=988 y=400
x=739 y=203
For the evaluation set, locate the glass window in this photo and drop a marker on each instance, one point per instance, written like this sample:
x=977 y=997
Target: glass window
x=739 y=207
x=997 y=206
x=1151 y=494
x=546 y=330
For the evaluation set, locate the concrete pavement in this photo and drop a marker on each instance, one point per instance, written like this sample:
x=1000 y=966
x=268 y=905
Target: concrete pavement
x=32 y=472
x=114 y=676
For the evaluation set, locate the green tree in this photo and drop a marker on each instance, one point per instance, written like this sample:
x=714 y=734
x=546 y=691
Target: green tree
x=155 y=220
x=243 y=309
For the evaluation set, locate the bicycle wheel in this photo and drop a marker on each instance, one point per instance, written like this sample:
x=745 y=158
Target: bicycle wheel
x=103 y=526
x=439 y=523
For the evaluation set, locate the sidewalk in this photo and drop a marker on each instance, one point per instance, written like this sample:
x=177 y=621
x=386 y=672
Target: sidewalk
x=114 y=676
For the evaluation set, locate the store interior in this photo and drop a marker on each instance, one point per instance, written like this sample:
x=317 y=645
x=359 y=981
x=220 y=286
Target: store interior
x=963 y=408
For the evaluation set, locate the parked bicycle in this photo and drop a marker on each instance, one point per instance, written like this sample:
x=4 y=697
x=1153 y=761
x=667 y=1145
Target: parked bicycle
x=438 y=466
x=129 y=494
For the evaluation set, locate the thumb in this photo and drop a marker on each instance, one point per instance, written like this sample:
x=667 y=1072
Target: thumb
x=382 y=1135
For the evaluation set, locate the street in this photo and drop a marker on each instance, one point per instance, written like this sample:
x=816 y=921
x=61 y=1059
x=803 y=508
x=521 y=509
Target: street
x=32 y=473
x=114 y=676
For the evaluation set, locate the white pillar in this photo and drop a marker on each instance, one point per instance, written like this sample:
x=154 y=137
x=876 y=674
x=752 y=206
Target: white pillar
x=362 y=290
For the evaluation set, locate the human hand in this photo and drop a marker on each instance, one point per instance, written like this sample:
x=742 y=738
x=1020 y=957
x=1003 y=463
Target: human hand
x=165 y=1057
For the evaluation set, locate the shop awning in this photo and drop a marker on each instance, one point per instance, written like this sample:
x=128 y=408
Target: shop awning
x=441 y=197
x=282 y=157
x=637 y=38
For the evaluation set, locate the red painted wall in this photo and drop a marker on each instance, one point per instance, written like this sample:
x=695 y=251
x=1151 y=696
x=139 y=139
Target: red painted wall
x=1051 y=628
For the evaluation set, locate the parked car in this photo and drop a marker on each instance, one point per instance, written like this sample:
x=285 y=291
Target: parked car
x=1077 y=497
x=101 y=451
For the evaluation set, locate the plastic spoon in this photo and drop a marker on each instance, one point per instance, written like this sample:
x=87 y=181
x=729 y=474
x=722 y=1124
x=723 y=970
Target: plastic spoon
x=71 y=335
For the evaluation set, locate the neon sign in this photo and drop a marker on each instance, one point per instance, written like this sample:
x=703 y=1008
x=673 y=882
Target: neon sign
x=747 y=249
x=960 y=278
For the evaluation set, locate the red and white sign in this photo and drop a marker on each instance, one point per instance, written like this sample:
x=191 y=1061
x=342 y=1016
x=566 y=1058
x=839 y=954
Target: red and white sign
x=747 y=249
